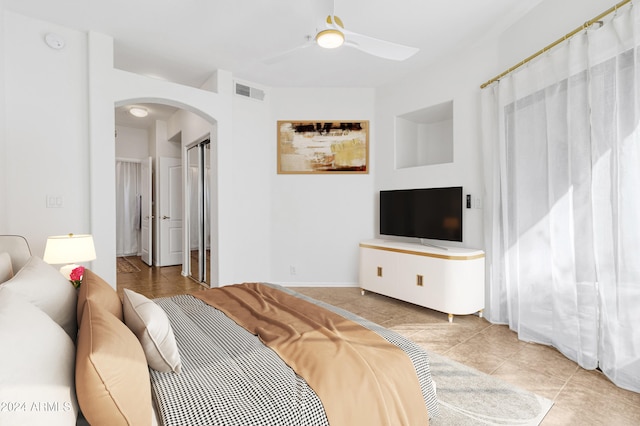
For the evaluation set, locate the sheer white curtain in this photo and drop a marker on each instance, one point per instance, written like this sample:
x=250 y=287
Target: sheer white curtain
x=561 y=144
x=128 y=206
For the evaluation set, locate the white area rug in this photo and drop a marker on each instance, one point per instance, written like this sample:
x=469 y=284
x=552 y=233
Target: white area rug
x=470 y=397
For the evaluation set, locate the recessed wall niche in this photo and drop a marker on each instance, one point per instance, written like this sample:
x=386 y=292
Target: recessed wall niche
x=425 y=136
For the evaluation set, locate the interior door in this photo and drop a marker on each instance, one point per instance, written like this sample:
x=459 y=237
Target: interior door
x=146 y=236
x=170 y=211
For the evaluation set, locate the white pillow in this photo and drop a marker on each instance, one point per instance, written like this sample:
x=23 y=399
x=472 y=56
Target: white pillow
x=37 y=366
x=44 y=286
x=152 y=327
x=6 y=270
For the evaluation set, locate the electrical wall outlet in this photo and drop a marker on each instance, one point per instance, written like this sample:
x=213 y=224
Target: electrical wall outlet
x=478 y=203
x=54 y=201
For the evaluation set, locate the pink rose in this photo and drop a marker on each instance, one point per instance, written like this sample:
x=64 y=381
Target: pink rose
x=76 y=276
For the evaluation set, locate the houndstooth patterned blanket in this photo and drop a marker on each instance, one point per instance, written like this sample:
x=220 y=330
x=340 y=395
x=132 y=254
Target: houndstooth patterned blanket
x=229 y=377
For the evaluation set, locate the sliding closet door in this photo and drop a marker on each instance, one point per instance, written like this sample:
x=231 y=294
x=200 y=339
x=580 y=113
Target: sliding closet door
x=206 y=212
x=199 y=208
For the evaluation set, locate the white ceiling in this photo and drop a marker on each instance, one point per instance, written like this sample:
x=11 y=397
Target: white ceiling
x=186 y=40
x=156 y=112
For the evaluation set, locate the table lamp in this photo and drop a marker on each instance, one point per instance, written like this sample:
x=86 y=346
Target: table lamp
x=68 y=250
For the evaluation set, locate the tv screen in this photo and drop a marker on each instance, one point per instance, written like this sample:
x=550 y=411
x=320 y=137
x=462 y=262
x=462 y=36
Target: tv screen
x=430 y=213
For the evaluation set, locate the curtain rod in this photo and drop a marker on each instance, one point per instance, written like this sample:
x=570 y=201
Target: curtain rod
x=557 y=42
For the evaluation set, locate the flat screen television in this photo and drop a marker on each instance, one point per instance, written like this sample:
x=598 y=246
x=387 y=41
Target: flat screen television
x=429 y=213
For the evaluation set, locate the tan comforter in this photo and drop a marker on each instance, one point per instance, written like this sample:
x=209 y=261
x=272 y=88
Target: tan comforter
x=360 y=378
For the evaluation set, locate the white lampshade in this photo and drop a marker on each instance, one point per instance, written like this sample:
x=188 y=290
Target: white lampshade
x=65 y=249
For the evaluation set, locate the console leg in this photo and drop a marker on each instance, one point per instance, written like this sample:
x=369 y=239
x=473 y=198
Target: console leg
x=362 y=291
x=450 y=318
x=480 y=313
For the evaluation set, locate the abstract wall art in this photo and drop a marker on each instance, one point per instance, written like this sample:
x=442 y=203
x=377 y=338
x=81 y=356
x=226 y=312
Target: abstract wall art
x=325 y=147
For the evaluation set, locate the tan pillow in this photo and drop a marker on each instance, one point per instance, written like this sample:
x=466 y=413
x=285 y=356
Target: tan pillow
x=36 y=366
x=152 y=327
x=112 y=377
x=44 y=286
x=6 y=270
x=96 y=289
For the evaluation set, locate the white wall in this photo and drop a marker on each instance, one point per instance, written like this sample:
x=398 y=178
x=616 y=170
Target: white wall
x=546 y=23
x=157 y=132
x=252 y=157
x=420 y=144
x=190 y=126
x=132 y=143
x=3 y=138
x=318 y=220
x=46 y=131
x=406 y=153
x=434 y=145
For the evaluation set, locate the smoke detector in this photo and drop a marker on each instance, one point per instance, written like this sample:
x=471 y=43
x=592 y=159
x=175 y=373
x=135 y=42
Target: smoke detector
x=54 y=41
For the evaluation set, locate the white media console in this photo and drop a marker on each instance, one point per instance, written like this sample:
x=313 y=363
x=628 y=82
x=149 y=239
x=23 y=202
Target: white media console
x=448 y=280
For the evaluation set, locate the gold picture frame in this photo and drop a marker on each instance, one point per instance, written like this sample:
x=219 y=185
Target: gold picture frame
x=323 y=147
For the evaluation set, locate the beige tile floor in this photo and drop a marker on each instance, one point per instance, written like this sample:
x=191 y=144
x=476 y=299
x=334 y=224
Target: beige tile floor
x=580 y=397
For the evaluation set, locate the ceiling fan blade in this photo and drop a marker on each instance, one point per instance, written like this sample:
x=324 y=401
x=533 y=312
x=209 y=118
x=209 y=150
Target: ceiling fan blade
x=381 y=48
x=284 y=55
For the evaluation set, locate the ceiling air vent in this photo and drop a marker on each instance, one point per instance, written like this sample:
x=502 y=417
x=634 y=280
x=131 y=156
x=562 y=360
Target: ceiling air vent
x=249 y=92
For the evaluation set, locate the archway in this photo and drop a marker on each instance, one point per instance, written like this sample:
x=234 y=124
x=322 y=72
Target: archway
x=125 y=88
x=162 y=210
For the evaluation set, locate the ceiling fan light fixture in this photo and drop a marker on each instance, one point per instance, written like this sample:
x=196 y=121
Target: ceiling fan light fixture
x=138 y=112
x=330 y=39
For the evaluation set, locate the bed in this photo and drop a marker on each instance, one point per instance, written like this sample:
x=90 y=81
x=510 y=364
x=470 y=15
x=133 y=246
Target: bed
x=183 y=360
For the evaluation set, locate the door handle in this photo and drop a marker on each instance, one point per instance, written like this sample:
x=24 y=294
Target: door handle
x=165 y=217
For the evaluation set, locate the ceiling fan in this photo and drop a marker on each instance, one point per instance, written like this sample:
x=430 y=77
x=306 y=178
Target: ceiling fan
x=332 y=34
